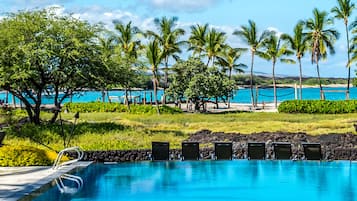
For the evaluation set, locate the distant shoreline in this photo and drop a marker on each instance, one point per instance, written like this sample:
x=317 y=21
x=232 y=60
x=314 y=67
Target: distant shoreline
x=303 y=86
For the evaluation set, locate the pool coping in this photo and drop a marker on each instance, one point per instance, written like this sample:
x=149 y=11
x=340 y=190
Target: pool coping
x=17 y=182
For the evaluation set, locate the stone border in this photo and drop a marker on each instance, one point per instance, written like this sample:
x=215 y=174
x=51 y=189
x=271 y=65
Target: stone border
x=19 y=182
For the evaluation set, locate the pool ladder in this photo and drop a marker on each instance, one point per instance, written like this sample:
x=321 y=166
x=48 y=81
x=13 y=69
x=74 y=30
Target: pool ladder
x=68 y=189
x=64 y=179
x=57 y=164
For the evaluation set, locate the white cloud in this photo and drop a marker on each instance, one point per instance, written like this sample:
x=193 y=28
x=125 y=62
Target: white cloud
x=182 y=5
x=276 y=30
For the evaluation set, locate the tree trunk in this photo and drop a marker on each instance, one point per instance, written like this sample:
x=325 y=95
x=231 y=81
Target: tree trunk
x=348 y=61
x=165 y=80
x=300 y=69
x=229 y=96
x=251 y=80
x=322 y=96
x=127 y=99
x=37 y=109
x=103 y=95
x=209 y=60
x=217 y=103
x=6 y=97
x=274 y=86
x=154 y=81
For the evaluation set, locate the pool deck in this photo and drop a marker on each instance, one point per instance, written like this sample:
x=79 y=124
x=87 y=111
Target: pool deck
x=17 y=182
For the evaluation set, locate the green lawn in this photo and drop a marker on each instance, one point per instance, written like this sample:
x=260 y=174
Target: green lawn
x=110 y=131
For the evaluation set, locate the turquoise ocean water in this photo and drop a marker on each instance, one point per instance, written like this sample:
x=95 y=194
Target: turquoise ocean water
x=239 y=96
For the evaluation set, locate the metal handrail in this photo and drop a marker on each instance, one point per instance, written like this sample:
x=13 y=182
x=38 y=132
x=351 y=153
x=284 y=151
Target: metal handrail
x=65 y=189
x=57 y=164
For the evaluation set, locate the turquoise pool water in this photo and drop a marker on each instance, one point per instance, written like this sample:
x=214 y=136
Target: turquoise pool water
x=216 y=180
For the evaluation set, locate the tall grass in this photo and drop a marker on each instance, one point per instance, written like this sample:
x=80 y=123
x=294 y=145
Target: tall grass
x=121 y=131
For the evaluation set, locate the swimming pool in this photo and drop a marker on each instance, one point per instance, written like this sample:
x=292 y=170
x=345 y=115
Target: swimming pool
x=215 y=180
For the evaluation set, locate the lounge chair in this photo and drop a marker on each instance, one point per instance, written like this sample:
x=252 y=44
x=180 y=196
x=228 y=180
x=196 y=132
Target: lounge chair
x=160 y=151
x=190 y=151
x=256 y=150
x=312 y=151
x=2 y=136
x=282 y=150
x=223 y=150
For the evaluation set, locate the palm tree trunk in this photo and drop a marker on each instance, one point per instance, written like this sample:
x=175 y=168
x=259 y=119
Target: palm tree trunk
x=348 y=61
x=300 y=79
x=165 y=80
x=209 y=60
x=229 y=96
x=274 y=85
x=154 y=81
x=251 y=80
x=322 y=96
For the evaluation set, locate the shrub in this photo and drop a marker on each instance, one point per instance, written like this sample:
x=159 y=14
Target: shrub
x=117 y=107
x=25 y=156
x=318 y=106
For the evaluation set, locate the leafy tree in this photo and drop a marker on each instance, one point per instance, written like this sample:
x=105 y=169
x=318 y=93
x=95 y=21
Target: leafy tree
x=297 y=42
x=275 y=50
x=228 y=59
x=250 y=35
x=220 y=87
x=320 y=38
x=344 y=11
x=197 y=82
x=45 y=53
x=154 y=55
x=168 y=38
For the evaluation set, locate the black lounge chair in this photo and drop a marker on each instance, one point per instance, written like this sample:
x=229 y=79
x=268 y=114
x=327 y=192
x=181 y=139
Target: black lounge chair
x=256 y=150
x=190 y=151
x=312 y=151
x=2 y=136
x=160 y=151
x=223 y=150
x=282 y=150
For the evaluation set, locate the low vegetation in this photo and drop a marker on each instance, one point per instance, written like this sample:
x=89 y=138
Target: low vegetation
x=117 y=107
x=16 y=155
x=113 y=131
x=318 y=106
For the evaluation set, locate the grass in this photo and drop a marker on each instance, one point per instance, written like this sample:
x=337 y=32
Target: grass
x=111 y=131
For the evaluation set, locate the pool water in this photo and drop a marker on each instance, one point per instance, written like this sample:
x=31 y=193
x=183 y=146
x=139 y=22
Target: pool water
x=216 y=180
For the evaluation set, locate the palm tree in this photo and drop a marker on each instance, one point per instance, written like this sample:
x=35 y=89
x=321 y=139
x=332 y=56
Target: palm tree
x=297 y=43
x=228 y=59
x=106 y=48
x=214 y=44
x=249 y=34
x=127 y=39
x=353 y=48
x=344 y=11
x=154 y=56
x=274 y=50
x=197 y=39
x=320 y=38
x=168 y=38
x=129 y=45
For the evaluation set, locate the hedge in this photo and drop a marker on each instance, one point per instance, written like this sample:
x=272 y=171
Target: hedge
x=318 y=106
x=11 y=156
x=117 y=107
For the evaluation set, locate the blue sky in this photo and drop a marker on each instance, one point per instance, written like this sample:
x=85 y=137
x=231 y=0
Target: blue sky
x=225 y=15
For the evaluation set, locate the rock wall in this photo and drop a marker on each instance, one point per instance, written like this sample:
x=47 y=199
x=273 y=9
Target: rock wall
x=334 y=146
